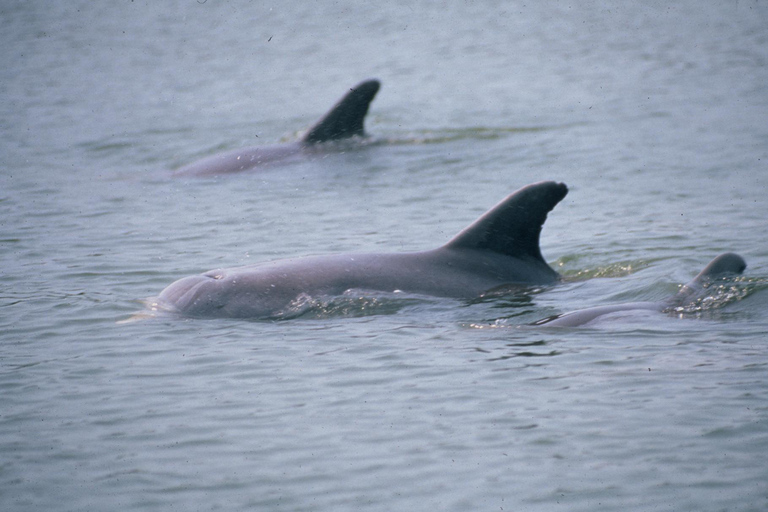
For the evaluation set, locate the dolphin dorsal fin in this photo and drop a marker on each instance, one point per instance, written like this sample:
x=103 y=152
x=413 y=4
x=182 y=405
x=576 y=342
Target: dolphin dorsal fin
x=345 y=119
x=513 y=226
x=725 y=264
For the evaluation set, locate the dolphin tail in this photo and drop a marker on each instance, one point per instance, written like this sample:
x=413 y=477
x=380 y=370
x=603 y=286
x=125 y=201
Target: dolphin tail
x=513 y=226
x=345 y=119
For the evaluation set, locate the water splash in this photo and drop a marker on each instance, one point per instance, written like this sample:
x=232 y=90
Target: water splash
x=719 y=294
x=352 y=304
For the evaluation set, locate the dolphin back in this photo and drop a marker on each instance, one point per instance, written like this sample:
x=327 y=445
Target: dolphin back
x=346 y=118
x=513 y=226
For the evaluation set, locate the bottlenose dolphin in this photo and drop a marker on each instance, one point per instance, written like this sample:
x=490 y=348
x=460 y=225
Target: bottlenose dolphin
x=343 y=121
x=500 y=248
x=725 y=264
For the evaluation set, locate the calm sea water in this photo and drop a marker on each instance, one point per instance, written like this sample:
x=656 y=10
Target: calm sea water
x=655 y=116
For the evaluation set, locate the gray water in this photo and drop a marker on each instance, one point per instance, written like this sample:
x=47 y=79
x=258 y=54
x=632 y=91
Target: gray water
x=654 y=114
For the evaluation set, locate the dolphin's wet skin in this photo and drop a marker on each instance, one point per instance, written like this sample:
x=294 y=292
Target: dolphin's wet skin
x=344 y=122
x=500 y=248
x=724 y=265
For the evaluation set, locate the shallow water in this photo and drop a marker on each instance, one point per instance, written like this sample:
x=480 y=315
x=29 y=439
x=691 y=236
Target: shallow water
x=654 y=115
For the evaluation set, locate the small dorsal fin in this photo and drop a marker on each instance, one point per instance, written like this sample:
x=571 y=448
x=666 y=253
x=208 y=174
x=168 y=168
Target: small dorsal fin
x=725 y=264
x=513 y=226
x=345 y=119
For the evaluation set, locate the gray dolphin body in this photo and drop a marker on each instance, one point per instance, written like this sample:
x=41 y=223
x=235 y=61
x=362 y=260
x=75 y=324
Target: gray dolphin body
x=725 y=264
x=500 y=248
x=343 y=121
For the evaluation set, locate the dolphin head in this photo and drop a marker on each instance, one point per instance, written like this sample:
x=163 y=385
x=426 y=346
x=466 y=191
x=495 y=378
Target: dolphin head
x=192 y=295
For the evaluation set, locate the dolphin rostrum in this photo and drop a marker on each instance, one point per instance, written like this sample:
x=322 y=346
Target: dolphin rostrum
x=343 y=121
x=723 y=265
x=501 y=248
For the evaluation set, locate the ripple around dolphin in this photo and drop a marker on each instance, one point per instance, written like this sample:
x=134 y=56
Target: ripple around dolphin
x=718 y=295
x=423 y=136
x=707 y=291
x=351 y=304
x=358 y=143
x=440 y=136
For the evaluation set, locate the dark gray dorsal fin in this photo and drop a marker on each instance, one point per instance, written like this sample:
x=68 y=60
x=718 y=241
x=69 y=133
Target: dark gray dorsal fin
x=726 y=263
x=345 y=119
x=513 y=226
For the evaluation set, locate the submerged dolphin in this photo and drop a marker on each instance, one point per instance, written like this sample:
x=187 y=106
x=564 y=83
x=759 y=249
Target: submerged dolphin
x=727 y=263
x=343 y=121
x=500 y=248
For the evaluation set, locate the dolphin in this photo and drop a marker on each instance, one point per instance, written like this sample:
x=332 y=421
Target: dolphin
x=344 y=121
x=725 y=264
x=501 y=248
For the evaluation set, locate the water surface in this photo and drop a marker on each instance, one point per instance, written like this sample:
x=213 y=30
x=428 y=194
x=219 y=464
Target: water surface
x=653 y=114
